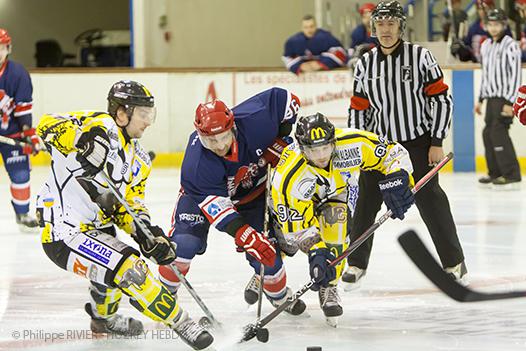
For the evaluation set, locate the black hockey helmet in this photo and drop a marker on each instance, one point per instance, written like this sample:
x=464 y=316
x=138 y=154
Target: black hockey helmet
x=128 y=93
x=388 y=10
x=314 y=130
x=496 y=15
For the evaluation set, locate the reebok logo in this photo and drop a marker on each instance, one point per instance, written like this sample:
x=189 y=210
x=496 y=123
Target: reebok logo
x=391 y=184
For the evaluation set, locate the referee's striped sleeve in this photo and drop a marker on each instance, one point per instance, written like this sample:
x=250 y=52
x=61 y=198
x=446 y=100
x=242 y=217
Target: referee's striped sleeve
x=358 y=110
x=513 y=71
x=440 y=100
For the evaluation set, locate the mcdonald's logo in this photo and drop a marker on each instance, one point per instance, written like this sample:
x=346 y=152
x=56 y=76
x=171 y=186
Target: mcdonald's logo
x=317 y=133
x=163 y=304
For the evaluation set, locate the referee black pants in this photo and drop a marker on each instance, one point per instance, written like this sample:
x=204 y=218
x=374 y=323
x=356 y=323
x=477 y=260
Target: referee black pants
x=431 y=201
x=500 y=153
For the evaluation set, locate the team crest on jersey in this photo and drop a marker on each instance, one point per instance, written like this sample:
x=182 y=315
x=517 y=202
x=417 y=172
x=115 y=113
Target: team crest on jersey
x=244 y=177
x=407 y=74
x=7 y=105
x=307 y=187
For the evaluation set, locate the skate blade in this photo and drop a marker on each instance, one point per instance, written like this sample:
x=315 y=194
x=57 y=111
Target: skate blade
x=507 y=187
x=303 y=315
x=28 y=230
x=332 y=321
x=347 y=287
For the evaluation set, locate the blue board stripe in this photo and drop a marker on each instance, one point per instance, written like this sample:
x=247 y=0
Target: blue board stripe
x=463 y=121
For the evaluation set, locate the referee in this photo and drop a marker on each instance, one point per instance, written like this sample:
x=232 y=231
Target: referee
x=399 y=93
x=501 y=77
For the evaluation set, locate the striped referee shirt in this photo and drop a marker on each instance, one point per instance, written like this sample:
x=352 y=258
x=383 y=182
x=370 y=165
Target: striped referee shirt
x=401 y=96
x=501 y=69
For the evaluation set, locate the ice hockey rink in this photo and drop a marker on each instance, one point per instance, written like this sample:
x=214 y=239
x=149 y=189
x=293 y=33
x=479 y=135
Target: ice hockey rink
x=396 y=308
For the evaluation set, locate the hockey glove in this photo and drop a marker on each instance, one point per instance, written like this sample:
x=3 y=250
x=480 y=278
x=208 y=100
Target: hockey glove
x=273 y=152
x=461 y=51
x=160 y=250
x=33 y=143
x=320 y=269
x=519 y=107
x=255 y=244
x=396 y=193
x=94 y=146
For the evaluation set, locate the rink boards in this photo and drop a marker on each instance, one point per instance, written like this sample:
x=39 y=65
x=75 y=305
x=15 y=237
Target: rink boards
x=178 y=92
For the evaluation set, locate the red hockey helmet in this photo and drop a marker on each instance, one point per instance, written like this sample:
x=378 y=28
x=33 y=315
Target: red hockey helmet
x=485 y=4
x=213 y=118
x=368 y=6
x=4 y=37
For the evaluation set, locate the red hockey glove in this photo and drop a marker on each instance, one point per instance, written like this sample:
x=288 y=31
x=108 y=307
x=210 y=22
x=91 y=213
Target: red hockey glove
x=256 y=245
x=31 y=138
x=519 y=107
x=273 y=152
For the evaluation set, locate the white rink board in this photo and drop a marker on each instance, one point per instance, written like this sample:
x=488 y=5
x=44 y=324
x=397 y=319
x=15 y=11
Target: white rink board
x=177 y=96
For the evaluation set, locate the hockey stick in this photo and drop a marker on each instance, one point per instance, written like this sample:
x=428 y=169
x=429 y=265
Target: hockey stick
x=150 y=237
x=262 y=333
x=423 y=259
x=13 y=142
x=250 y=330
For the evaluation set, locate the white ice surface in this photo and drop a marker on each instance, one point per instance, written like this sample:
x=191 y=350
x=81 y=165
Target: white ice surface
x=395 y=309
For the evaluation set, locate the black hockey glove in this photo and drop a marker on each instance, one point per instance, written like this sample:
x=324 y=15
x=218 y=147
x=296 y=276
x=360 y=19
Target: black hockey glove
x=461 y=51
x=160 y=250
x=320 y=270
x=396 y=193
x=94 y=146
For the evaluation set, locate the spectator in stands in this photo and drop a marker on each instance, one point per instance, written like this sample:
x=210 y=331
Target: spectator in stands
x=459 y=16
x=361 y=40
x=313 y=49
x=362 y=33
x=520 y=6
x=468 y=49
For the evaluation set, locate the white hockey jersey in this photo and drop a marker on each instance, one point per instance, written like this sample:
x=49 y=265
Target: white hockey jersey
x=69 y=203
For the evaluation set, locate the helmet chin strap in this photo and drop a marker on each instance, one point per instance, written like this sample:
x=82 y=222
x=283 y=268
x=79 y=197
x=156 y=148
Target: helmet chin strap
x=123 y=128
x=392 y=46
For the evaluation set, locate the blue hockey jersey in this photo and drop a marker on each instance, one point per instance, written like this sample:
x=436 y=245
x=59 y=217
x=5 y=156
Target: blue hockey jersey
x=360 y=36
x=217 y=184
x=16 y=100
x=322 y=47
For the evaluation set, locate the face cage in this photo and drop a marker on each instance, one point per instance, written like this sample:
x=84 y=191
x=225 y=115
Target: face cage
x=401 y=24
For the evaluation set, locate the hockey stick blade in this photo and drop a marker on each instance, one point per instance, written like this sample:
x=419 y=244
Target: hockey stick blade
x=422 y=258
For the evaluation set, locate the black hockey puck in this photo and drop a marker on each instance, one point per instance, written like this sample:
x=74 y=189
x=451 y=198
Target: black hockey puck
x=313 y=348
x=152 y=155
x=262 y=334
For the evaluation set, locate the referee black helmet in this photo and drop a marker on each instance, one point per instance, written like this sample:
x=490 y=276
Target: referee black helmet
x=388 y=10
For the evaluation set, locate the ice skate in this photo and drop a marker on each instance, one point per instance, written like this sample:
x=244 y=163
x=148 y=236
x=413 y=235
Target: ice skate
x=330 y=304
x=295 y=309
x=26 y=223
x=192 y=333
x=506 y=184
x=252 y=290
x=116 y=324
x=352 y=278
x=459 y=273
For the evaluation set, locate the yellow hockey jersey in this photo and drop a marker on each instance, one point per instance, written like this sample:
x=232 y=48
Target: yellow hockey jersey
x=298 y=188
x=68 y=203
